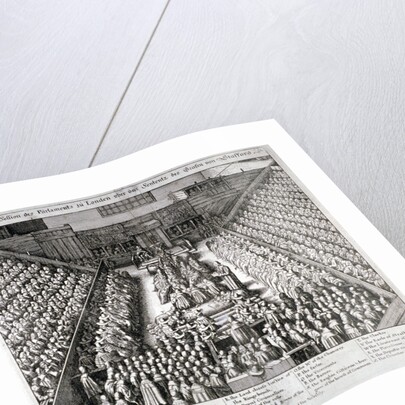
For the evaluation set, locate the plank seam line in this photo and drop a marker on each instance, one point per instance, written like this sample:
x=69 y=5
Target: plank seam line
x=129 y=84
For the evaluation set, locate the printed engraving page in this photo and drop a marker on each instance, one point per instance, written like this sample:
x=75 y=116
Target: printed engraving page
x=222 y=274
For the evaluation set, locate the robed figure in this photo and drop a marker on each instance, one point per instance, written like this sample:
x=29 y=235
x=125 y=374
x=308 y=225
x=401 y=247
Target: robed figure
x=200 y=392
x=150 y=393
x=90 y=387
x=241 y=333
x=226 y=274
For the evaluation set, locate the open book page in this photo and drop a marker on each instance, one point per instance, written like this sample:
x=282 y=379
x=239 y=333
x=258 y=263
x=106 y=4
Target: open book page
x=222 y=267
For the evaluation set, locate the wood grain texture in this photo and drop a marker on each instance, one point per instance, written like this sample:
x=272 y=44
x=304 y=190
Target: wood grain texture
x=330 y=72
x=63 y=67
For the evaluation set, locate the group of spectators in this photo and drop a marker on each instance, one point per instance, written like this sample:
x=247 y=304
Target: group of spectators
x=280 y=214
x=310 y=302
x=278 y=271
x=308 y=323
x=39 y=309
x=185 y=282
x=178 y=370
x=112 y=325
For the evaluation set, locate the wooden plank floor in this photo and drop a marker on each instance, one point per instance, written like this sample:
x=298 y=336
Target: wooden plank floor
x=63 y=69
x=88 y=82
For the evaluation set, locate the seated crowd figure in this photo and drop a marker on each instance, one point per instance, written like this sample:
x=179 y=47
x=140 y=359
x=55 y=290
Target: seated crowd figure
x=280 y=214
x=39 y=308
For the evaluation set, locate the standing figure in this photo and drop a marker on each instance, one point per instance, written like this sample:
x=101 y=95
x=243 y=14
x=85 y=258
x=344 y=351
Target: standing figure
x=241 y=333
x=90 y=387
x=218 y=383
x=201 y=393
x=150 y=393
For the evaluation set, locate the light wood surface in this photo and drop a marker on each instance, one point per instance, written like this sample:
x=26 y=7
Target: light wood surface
x=63 y=67
x=330 y=72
